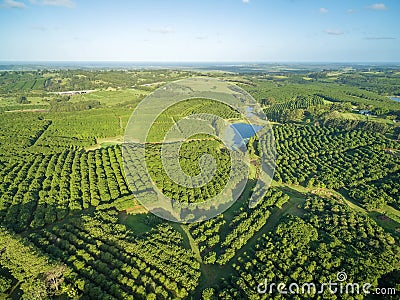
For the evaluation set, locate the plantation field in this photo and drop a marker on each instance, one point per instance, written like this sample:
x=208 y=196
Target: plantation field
x=70 y=227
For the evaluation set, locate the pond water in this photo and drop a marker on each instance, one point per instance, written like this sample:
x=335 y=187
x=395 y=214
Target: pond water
x=239 y=133
x=395 y=99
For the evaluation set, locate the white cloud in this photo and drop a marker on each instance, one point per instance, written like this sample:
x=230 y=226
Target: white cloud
x=333 y=32
x=12 y=4
x=38 y=27
x=323 y=10
x=378 y=6
x=163 y=30
x=245 y=1
x=379 y=38
x=351 y=11
x=45 y=28
x=64 y=3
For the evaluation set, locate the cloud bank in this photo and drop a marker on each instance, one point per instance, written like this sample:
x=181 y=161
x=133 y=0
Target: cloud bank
x=333 y=32
x=377 y=6
x=12 y=4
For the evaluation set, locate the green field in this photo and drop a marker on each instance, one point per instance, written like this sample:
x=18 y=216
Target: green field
x=70 y=227
x=113 y=97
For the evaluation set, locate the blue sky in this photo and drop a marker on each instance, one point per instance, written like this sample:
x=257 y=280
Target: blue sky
x=203 y=30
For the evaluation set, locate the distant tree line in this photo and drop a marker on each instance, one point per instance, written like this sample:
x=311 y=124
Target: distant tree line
x=62 y=106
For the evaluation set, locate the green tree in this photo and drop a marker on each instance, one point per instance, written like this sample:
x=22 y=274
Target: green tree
x=292 y=115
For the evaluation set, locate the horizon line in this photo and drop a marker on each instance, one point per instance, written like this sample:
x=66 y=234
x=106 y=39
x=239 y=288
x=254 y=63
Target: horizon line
x=196 y=62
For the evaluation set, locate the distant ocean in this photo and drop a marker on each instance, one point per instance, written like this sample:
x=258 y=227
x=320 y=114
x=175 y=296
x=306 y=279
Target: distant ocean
x=31 y=65
x=235 y=67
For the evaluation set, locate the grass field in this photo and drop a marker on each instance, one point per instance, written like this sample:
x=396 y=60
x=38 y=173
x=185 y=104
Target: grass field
x=105 y=142
x=34 y=100
x=360 y=117
x=384 y=221
x=135 y=222
x=112 y=97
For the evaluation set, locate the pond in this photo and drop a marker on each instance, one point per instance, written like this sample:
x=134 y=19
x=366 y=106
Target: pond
x=395 y=98
x=238 y=134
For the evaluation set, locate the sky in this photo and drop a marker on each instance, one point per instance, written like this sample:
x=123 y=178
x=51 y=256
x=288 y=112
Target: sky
x=200 y=31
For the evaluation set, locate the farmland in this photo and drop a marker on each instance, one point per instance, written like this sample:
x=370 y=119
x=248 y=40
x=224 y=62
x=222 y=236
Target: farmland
x=71 y=228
